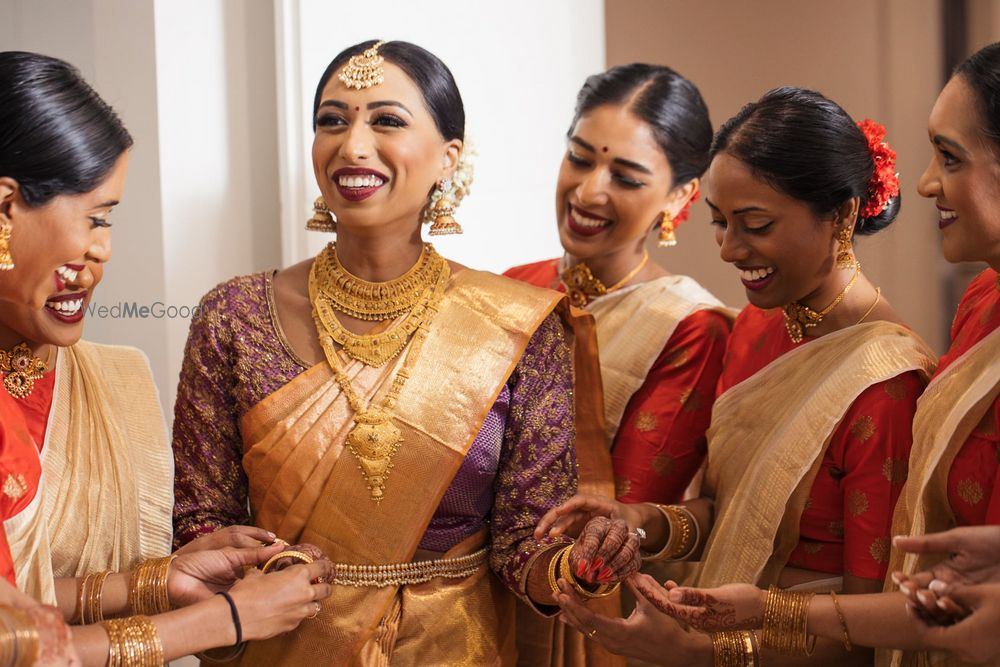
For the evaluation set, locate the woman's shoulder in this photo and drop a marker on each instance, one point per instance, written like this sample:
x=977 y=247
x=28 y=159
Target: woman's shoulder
x=541 y=274
x=235 y=295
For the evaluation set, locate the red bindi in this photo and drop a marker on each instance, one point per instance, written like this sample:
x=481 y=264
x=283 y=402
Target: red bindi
x=604 y=149
x=357 y=108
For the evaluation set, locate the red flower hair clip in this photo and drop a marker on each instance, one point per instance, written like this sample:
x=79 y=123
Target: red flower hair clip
x=884 y=185
x=683 y=214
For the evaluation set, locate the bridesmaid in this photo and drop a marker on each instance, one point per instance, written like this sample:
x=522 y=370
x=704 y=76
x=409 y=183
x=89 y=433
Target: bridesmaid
x=637 y=147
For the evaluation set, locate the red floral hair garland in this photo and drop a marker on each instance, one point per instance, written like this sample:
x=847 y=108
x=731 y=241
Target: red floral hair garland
x=884 y=185
x=683 y=214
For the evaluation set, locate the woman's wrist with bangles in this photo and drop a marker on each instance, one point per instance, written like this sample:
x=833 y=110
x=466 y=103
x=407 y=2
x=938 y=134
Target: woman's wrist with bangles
x=105 y=594
x=559 y=568
x=681 y=537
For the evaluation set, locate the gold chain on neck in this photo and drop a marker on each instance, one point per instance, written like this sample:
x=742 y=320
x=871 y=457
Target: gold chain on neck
x=582 y=285
x=21 y=368
x=800 y=317
x=375 y=438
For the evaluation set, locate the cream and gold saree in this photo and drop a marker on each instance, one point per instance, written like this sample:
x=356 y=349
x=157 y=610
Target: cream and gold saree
x=107 y=467
x=949 y=409
x=768 y=437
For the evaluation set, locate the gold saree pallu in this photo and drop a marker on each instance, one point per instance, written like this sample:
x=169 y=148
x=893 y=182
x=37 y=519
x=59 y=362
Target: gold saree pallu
x=305 y=488
x=768 y=437
x=949 y=409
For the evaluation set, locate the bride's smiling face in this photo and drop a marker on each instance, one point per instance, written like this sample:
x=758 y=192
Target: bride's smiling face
x=377 y=152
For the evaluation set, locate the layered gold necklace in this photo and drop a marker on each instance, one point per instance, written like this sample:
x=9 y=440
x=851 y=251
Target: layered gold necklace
x=799 y=318
x=375 y=438
x=20 y=368
x=582 y=285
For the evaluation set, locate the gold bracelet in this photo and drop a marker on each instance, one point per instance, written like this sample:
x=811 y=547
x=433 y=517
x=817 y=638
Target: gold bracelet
x=733 y=648
x=298 y=555
x=148 y=592
x=553 y=568
x=786 y=617
x=133 y=642
x=843 y=622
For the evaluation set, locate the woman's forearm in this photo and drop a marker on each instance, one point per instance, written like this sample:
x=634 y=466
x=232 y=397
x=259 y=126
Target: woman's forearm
x=197 y=628
x=652 y=520
x=114 y=595
x=879 y=620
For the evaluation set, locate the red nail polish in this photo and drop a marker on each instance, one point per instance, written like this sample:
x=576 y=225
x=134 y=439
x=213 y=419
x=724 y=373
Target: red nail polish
x=598 y=563
x=582 y=568
x=605 y=574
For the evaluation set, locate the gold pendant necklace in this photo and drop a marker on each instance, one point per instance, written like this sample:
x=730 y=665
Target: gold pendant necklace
x=582 y=285
x=800 y=317
x=373 y=349
x=375 y=438
x=372 y=301
x=21 y=368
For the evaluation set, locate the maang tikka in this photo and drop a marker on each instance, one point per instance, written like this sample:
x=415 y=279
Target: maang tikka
x=365 y=70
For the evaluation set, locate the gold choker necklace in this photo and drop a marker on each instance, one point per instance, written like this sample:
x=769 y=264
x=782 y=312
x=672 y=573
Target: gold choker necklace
x=327 y=295
x=375 y=438
x=20 y=368
x=582 y=285
x=799 y=317
x=370 y=301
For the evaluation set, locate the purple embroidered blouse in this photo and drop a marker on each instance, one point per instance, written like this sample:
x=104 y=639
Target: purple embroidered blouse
x=521 y=464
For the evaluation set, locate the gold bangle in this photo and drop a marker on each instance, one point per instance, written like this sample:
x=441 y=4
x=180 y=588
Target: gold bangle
x=733 y=648
x=93 y=609
x=148 y=591
x=553 y=568
x=786 y=617
x=683 y=537
x=298 y=555
x=19 y=644
x=843 y=622
x=133 y=642
x=566 y=572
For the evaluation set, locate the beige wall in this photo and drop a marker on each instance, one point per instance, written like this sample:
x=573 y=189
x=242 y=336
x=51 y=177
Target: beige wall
x=877 y=58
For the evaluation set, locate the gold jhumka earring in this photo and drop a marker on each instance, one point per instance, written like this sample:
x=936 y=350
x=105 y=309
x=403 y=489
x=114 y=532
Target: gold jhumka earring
x=443 y=211
x=365 y=70
x=6 y=261
x=667 y=237
x=322 y=219
x=845 y=251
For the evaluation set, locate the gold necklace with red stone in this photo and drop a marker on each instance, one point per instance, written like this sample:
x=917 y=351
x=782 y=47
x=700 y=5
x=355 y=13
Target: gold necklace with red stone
x=375 y=438
x=20 y=368
x=582 y=285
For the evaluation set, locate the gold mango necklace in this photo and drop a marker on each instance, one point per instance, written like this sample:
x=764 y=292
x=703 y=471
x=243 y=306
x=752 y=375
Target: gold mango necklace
x=375 y=438
x=582 y=285
x=800 y=317
x=20 y=368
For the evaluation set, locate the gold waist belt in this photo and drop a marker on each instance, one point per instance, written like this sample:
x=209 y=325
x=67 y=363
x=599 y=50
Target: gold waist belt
x=417 y=572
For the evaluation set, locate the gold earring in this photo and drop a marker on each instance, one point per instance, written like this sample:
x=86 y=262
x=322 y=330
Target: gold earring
x=322 y=220
x=845 y=254
x=443 y=211
x=667 y=237
x=6 y=261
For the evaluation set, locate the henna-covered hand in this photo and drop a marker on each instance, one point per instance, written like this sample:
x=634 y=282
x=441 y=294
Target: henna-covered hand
x=606 y=552
x=54 y=645
x=730 y=607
